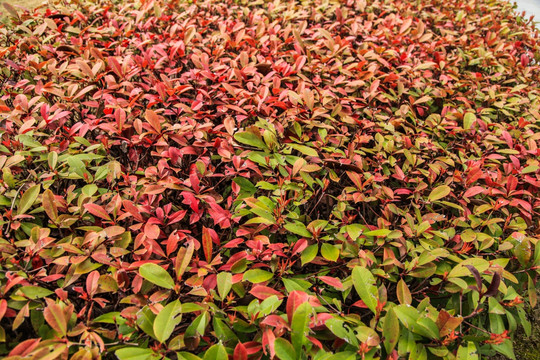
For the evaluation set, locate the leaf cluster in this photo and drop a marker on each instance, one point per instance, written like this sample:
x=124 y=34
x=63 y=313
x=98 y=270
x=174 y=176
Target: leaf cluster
x=288 y=180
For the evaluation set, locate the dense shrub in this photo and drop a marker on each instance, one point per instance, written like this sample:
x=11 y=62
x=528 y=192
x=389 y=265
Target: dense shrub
x=292 y=180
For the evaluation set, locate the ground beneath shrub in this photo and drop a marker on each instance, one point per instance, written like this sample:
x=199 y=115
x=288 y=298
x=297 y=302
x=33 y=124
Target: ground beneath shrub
x=529 y=348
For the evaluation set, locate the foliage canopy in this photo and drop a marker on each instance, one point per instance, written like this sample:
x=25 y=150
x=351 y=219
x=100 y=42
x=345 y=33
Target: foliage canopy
x=268 y=180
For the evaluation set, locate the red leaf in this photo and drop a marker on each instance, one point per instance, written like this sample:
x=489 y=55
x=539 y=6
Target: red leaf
x=524 y=60
x=25 y=347
x=132 y=209
x=194 y=181
x=98 y=211
x=511 y=183
x=151 y=230
x=475 y=190
x=275 y=321
x=315 y=342
x=525 y=205
x=360 y=304
x=477 y=277
x=3 y=308
x=207 y=243
x=153 y=120
x=299 y=246
x=268 y=341
x=92 y=283
x=240 y=352
x=334 y=282
x=252 y=347
x=262 y=292
x=494 y=286
x=296 y=298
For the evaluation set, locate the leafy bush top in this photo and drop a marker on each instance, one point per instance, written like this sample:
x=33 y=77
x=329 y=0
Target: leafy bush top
x=292 y=180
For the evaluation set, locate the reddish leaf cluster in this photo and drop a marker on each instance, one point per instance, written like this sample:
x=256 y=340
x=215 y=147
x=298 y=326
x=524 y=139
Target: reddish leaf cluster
x=251 y=179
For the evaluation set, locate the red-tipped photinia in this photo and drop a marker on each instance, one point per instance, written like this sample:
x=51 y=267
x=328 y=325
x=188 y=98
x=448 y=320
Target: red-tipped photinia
x=285 y=180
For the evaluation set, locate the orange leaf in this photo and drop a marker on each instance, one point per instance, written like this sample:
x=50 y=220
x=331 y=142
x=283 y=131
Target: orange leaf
x=25 y=347
x=446 y=323
x=54 y=315
x=153 y=120
x=207 y=243
x=98 y=211
x=151 y=230
x=183 y=259
x=262 y=292
x=49 y=204
x=3 y=308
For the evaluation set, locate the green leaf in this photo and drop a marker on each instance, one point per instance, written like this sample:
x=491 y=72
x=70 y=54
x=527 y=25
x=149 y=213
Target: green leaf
x=198 y=326
x=249 y=138
x=191 y=307
x=523 y=252
x=366 y=334
x=89 y=190
x=133 y=353
x=299 y=326
x=296 y=284
x=531 y=289
x=77 y=166
x=306 y=150
x=246 y=187
x=439 y=192
x=364 y=283
x=468 y=120
x=403 y=293
x=184 y=355
x=378 y=232
x=390 y=331
x=257 y=276
x=166 y=321
x=411 y=319
x=309 y=253
x=216 y=352
x=354 y=230
x=343 y=355
x=222 y=331
x=284 y=349
x=298 y=228
x=461 y=270
x=145 y=320
x=224 y=284
x=112 y=317
x=428 y=328
x=329 y=252
x=156 y=275
x=467 y=353
x=49 y=204
x=34 y=292
x=341 y=330
x=408 y=315
x=495 y=307
x=269 y=305
x=28 y=199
